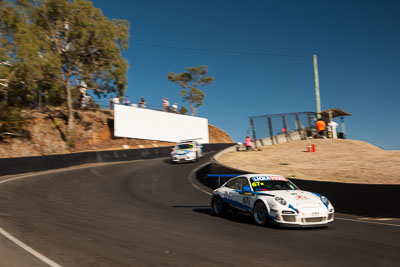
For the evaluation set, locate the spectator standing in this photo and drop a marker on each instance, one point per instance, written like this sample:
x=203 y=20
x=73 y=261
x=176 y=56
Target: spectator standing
x=333 y=126
x=85 y=101
x=111 y=102
x=142 y=102
x=126 y=101
x=321 y=127
x=175 y=107
x=248 y=142
x=116 y=101
x=165 y=104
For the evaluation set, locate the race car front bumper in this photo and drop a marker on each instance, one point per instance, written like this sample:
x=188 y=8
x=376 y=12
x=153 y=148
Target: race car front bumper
x=312 y=218
x=182 y=158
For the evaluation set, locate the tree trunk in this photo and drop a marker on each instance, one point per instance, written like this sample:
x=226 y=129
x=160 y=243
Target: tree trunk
x=70 y=125
x=40 y=98
x=191 y=108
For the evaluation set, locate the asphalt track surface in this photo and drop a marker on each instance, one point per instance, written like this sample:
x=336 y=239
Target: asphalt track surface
x=149 y=213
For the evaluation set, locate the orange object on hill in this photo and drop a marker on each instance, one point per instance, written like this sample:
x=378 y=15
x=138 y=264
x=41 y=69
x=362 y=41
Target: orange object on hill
x=321 y=125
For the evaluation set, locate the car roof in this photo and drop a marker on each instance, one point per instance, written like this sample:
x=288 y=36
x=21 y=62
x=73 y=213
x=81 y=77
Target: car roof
x=187 y=142
x=253 y=175
x=249 y=175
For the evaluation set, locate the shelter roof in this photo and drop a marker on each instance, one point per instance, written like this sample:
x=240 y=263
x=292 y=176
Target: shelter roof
x=336 y=112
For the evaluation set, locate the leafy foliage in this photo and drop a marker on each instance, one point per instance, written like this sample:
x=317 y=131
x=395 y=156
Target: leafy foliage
x=51 y=50
x=190 y=80
x=183 y=110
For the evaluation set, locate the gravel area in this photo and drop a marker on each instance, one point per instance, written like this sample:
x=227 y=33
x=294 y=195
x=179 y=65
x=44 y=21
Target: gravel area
x=337 y=160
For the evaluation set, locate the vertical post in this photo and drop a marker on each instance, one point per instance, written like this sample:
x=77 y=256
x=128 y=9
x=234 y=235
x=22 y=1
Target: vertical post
x=310 y=124
x=299 y=127
x=316 y=78
x=288 y=139
x=253 y=130
x=270 y=130
x=342 y=125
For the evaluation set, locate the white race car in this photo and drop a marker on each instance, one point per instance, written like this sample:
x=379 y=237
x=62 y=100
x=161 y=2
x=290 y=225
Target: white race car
x=272 y=199
x=187 y=151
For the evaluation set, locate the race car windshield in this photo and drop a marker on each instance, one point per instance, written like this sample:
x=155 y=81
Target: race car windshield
x=272 y=185
x=184 y=146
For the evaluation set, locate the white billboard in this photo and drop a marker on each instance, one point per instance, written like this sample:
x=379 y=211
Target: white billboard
x=150 y=124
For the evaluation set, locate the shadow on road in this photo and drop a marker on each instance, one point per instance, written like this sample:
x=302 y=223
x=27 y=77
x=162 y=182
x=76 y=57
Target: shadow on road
x=244 y=218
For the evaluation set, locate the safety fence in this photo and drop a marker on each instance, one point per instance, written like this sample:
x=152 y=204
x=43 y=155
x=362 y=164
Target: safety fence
x=355 y=199
x=104 y=104
x=279 y=128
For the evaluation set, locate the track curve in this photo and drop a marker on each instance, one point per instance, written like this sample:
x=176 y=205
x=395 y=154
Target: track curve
x=148 y=213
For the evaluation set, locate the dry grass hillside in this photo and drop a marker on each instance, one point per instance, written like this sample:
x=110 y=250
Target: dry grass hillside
x=46 y=135
x=338 y=160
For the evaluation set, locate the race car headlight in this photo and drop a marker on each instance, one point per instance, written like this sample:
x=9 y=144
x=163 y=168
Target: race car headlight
x=281 y=201
x=324 y=200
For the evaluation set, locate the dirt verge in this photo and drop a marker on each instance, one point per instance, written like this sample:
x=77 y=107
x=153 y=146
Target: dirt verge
x=347 y=161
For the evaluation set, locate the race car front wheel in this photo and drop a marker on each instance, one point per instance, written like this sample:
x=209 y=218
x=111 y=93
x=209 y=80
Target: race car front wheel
x=218 y=206
x=260 y=213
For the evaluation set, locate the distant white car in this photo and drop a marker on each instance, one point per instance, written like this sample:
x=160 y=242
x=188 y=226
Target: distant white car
x=272 y=199
x=187 y=151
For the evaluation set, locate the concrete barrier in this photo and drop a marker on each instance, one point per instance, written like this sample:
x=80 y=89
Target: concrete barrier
x=42 y=163
x=371 y=200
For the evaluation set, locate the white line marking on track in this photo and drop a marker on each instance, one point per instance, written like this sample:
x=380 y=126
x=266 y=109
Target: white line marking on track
x=378 y=219
x=23 y=245
x=191 y=175
x=361 y=220
x=29 y=249
x=364 y=221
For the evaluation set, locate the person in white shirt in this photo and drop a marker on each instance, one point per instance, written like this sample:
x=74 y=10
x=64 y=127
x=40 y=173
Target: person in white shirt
x=165 y=104
x=175 y=107
x=116 y=100
x=332 y=127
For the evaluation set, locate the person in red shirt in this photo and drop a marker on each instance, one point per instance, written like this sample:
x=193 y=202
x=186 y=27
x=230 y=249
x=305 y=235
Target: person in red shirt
x=248 y=142
x=321 y=127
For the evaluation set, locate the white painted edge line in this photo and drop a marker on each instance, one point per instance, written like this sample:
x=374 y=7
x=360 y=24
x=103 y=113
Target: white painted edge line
x=23 y=245
x=29 y=249
x=336 y=218
x=191 y=175
x=67 y=169
x=364 y=221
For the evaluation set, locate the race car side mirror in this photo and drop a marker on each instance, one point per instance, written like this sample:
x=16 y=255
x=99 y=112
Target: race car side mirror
x=246 y=189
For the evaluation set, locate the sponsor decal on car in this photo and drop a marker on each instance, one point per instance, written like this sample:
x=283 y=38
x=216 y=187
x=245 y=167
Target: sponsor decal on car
x=301 y=197
x=268 y=178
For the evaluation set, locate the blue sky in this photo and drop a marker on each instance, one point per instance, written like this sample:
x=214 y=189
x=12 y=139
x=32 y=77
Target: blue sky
x=357 y=44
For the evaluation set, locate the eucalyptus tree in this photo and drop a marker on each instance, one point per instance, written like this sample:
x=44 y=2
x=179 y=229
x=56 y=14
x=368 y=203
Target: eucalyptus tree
x=20 y=66
x=60 y=48
x=190 y=80
x=82 y=49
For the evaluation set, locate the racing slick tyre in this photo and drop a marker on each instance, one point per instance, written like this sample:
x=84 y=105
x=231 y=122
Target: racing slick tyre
x=218 y=206
x=260 y=213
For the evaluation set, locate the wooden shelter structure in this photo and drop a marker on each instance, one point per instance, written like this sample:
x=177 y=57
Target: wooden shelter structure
x=329 y=114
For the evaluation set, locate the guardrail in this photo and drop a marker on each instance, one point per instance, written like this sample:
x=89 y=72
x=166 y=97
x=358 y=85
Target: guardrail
x=42 y=163
x=371 y=200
